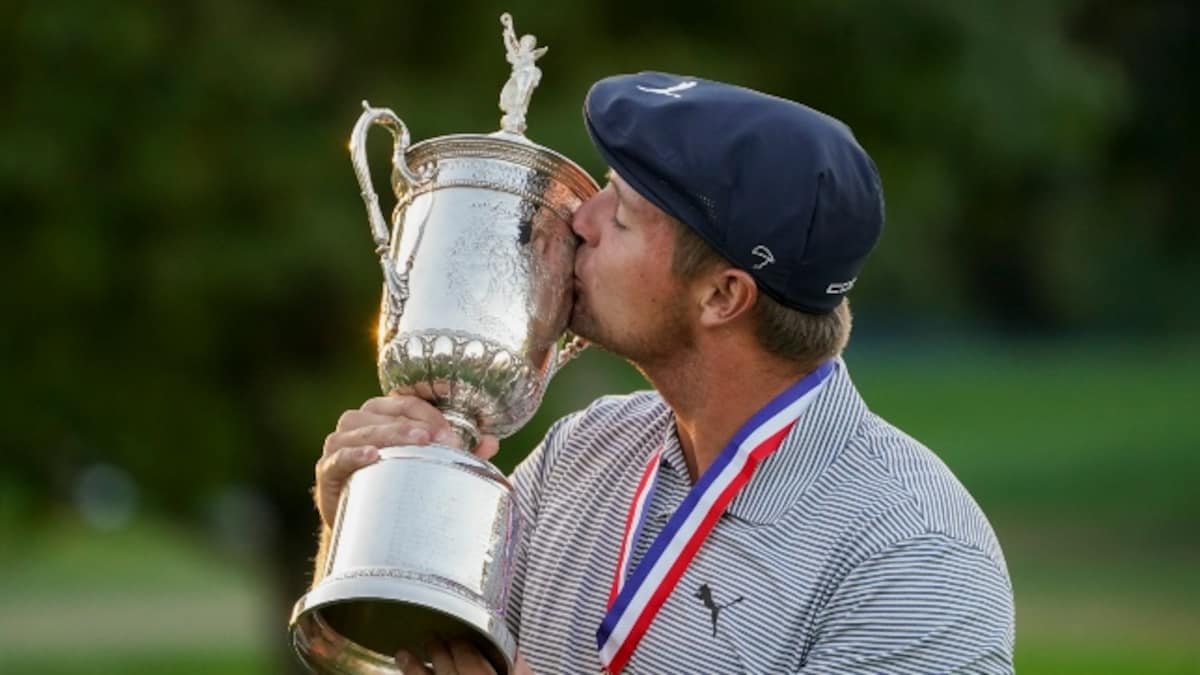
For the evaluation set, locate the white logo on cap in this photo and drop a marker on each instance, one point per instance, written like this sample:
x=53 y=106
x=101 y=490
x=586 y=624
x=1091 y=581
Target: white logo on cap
x=840 y=287
x=672 y=91
x=764 y=253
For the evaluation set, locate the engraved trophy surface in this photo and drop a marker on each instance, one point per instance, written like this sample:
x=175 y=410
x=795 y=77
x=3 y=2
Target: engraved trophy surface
x=478 y=275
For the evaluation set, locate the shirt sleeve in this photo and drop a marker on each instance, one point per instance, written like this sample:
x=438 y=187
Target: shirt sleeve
x=928 y=604
x=528 y=480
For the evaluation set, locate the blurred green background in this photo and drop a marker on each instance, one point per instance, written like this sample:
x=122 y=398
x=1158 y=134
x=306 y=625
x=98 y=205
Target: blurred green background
x=190 y=288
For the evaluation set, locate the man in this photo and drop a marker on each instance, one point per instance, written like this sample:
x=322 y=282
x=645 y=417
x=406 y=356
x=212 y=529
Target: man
x=749 y=514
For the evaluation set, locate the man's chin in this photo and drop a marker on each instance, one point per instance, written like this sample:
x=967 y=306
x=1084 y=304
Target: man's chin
x=581 y=328
x=585 y=328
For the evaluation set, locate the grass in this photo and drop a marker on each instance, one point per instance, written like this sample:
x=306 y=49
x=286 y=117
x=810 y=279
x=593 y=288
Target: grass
x=1093 y=434
x=175 y=663
x=80 y=600
x=1099 y=659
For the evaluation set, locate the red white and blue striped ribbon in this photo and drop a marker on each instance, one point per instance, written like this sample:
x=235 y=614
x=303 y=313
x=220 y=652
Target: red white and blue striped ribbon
x=633 y=604
x=634 y=522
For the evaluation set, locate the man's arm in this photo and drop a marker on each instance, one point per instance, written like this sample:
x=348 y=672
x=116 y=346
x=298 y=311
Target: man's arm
x=928 y=604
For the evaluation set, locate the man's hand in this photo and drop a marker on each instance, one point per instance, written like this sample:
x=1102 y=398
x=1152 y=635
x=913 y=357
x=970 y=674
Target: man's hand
x=456 y=657
x=381 y=422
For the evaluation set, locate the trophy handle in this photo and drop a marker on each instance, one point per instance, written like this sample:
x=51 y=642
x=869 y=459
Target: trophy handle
x=384 y=117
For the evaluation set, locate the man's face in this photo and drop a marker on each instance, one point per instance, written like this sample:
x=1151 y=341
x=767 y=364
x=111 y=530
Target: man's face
x=627 y=300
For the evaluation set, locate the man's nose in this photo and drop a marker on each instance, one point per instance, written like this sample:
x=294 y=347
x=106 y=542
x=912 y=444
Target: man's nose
x=583 y=222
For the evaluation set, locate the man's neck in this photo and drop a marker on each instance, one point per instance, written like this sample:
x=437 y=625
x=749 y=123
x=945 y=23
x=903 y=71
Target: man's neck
x=713 y=397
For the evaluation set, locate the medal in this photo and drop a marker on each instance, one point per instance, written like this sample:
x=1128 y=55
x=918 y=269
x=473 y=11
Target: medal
x=633 y=603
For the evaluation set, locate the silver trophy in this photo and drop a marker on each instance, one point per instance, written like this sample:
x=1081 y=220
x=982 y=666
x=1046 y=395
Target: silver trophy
x=478 y=273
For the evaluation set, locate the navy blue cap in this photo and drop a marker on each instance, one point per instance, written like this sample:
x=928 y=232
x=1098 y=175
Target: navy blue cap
x=781 y=190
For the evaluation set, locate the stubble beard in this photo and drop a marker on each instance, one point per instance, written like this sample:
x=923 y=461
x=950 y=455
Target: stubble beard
x=654 y=344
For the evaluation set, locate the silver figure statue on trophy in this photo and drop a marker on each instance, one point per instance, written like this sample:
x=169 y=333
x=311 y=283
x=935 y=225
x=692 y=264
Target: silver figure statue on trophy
x=514 y=97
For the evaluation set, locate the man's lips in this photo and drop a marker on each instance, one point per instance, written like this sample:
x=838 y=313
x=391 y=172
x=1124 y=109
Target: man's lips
x=577 y=295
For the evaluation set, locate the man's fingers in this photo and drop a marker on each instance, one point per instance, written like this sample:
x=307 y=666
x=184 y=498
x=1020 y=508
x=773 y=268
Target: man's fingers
x=353 y=419
x=468 y=660
x=407 y=432
x=332 y=473
x=409 y=665
x=488 y=446
x=406 y=406
x=336 y=468
x=439 y=656
x=456 y=658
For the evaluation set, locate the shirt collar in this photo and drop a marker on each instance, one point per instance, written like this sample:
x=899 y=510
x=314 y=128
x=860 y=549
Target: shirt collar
x=812 y=445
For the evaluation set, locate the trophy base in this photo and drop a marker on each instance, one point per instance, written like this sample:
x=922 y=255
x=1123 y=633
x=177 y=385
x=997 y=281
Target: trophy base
x=386 y=617
x=422 y=547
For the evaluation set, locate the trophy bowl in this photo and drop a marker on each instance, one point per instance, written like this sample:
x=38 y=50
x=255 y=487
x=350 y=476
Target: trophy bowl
x=478 y=272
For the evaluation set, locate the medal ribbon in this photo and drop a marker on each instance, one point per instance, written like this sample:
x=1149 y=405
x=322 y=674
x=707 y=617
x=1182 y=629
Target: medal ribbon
x=633 y=605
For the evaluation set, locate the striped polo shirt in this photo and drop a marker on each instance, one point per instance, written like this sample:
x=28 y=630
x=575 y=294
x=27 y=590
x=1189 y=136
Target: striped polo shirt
x=853 y=549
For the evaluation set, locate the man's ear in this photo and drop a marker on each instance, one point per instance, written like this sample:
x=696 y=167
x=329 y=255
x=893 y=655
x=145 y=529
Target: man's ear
x=726 y=294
